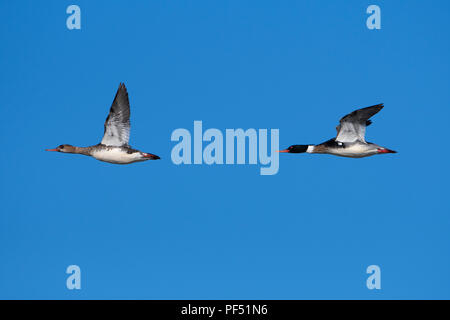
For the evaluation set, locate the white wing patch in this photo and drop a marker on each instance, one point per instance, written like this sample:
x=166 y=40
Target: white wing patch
x=351 y=132
x=352 y=127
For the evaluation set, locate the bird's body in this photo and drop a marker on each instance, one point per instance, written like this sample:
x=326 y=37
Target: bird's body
x=350 y=140
x=114 y=146
x=355 y=149
x=118 y=155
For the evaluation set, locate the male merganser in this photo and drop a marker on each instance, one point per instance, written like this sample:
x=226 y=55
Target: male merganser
x=114 y=146
x=349 y=141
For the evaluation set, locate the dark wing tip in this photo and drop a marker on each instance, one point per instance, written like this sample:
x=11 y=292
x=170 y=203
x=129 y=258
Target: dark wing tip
x=380 y=106
x=377 y=109
x=121 y=95
x=122 y=88
x=363 y=114
x=121 y=104
x=376 y=106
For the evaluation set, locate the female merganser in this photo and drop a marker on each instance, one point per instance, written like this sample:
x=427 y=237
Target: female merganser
x=349 y=141
x=114 y=146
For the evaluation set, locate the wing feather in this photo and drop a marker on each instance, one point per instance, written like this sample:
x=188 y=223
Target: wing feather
x=352 y=127
x=117 y=124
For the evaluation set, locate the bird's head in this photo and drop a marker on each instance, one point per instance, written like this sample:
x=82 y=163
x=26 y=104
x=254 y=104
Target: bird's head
x=66 y=148
x=296 y=148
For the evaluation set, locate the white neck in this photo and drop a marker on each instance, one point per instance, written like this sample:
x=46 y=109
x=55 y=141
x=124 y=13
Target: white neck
x=310 y=149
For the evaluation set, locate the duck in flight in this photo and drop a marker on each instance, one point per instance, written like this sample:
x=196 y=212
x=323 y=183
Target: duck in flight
x=350 y=141
x=114 y=146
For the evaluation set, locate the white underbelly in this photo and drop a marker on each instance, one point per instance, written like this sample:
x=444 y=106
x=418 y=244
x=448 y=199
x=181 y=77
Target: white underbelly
x=116 y=156
x=353 y=151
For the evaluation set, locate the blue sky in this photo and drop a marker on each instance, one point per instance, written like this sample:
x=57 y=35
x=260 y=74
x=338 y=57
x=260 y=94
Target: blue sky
x=154 y=230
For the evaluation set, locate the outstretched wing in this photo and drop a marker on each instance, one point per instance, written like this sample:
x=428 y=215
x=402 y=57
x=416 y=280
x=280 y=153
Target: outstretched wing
x=117 y=124
x=352 y=127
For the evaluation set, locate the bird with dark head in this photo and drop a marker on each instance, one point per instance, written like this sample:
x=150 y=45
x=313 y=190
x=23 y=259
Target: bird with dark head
x=296 y=148
x=350 y=139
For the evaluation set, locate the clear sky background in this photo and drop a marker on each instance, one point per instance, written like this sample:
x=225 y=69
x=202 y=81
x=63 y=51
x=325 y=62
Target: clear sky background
x=154 y=230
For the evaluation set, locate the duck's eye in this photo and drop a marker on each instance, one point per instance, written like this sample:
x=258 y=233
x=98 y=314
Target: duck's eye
x=61 y=147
